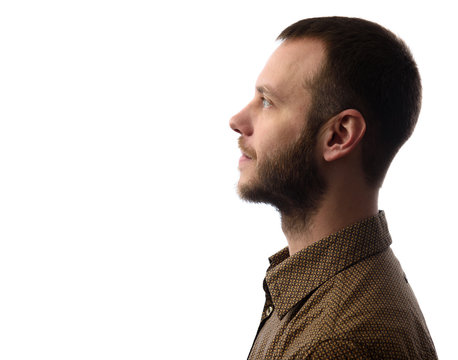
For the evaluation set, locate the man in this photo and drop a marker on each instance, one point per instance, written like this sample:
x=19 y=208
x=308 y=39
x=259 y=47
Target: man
x=332 y=107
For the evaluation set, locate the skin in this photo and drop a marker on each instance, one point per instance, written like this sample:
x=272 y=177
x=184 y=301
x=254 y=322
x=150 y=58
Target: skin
x=275 y=118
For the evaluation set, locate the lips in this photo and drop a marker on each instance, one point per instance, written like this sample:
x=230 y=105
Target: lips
x=244 y=155
x=247 y=153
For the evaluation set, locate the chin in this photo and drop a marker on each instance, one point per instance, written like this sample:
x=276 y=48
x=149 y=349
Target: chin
x=252 y=191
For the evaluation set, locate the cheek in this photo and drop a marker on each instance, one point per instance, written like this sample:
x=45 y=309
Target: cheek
x=278 y=138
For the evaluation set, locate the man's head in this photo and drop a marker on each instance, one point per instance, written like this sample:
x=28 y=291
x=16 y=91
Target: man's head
x=348 y=79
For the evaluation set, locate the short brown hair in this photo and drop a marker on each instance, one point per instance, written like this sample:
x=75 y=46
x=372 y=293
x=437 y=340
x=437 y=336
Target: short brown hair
x=369 y=69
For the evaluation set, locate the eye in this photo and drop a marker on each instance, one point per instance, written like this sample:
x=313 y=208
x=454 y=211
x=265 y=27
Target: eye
x=266 y=103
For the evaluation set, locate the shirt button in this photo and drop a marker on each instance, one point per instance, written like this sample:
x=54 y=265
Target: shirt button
x=269 y=310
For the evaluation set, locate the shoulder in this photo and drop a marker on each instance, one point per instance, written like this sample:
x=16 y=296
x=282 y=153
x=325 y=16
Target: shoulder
x=366 y=311
x=335 y=349
x=340 y=349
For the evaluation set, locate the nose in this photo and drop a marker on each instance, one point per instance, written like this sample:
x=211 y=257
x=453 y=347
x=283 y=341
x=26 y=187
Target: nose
x=241 y=123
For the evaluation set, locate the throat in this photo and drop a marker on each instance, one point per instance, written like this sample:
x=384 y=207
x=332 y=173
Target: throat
x=298 y=229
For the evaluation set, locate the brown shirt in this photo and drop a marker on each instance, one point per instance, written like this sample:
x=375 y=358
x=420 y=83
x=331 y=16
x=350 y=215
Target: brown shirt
x=344 y=297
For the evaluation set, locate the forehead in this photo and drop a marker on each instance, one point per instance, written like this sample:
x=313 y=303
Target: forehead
x=291 y=64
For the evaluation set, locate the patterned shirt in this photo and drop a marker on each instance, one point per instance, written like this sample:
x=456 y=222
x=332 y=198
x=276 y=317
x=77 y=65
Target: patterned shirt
x=343 y=297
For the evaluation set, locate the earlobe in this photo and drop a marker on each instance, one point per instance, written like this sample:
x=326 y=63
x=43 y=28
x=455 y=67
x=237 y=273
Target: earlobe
x=342 y=134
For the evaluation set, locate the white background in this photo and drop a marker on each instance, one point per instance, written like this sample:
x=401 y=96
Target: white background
x=121 y=234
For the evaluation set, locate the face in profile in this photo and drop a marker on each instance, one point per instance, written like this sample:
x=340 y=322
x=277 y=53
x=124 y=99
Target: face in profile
x=279 y=162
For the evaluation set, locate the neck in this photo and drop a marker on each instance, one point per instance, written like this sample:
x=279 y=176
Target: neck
x=338 y=209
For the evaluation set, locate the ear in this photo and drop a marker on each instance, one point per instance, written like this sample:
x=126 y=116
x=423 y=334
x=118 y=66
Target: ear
x=342 y=133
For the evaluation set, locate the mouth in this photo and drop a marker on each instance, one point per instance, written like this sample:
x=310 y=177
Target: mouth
x=244 y=159
x=245 y=156
x=247 y=153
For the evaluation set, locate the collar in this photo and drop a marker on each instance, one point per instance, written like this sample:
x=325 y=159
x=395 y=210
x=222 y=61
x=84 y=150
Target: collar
x=292 y=278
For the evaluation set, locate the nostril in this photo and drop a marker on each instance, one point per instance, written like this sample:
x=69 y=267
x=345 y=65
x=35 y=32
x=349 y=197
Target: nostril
x=241 y=122
x=233 y=126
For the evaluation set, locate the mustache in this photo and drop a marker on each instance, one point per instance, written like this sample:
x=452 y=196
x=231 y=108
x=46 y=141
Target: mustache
x=246 y=149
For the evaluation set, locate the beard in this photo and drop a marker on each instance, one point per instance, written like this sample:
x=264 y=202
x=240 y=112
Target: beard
x=290 y=181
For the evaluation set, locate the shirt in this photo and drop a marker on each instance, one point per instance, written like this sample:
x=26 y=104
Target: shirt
x=343 y=297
